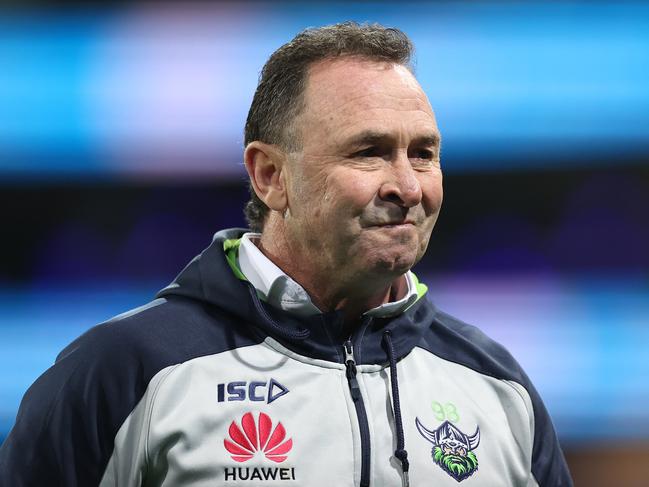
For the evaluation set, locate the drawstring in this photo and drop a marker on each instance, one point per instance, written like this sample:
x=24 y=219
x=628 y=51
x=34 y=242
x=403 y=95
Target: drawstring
x=302 y=334
x=271 y=324
x=400 y=452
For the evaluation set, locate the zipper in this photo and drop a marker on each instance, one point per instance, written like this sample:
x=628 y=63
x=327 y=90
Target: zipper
x=357 y=398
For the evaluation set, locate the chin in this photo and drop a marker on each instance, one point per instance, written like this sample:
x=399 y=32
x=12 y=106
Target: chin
x=393 y=265
x=387 y=257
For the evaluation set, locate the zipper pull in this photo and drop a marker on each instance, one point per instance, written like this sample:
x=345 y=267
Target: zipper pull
x=406 y=480
x=350 y=364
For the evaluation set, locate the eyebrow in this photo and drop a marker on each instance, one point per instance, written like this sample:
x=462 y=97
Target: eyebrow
x=371 y=137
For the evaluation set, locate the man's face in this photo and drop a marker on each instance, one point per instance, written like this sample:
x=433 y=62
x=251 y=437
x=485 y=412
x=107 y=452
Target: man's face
x=365 y=189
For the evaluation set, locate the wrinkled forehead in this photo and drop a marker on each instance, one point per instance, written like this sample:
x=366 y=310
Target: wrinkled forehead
x=349 y=89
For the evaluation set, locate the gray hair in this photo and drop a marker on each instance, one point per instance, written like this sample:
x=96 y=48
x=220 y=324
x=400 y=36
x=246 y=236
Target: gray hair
x=279 y=97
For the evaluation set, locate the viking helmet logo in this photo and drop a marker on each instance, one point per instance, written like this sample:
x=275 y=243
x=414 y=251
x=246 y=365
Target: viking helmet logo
x=452 y=449
x=254 y=436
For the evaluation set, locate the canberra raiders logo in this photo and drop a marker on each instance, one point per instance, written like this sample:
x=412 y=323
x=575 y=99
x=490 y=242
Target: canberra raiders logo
x=452 y=449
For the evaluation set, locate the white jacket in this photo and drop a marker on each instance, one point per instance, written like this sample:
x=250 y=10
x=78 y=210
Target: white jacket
x=209 y=386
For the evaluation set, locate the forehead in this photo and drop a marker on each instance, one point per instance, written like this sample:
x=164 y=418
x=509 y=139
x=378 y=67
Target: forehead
x=351 y=93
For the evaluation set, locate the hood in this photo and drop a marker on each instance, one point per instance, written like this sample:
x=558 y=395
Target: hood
x=209 y=278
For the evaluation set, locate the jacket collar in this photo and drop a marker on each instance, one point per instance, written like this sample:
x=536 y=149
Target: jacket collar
x=279 y=290
x=213 y=277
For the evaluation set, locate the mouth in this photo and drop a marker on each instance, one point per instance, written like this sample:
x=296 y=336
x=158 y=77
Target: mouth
x=403 y=224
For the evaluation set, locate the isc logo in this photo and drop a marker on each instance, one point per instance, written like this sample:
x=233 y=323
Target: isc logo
x=253 y=391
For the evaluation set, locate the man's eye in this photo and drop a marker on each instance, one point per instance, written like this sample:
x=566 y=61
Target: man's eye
x=369 y=152
x=425 y=154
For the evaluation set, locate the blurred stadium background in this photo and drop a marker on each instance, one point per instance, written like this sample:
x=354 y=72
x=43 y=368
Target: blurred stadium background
x=120 y=156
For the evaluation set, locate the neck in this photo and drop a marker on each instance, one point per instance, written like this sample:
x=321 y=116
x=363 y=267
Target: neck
x=353 y=306
x=331 y=288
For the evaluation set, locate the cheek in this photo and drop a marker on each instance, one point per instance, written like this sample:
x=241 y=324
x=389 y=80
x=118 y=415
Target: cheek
x=432 y=192
x=350 y=192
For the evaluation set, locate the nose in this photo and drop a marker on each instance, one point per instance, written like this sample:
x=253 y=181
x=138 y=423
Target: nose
x=401 y=185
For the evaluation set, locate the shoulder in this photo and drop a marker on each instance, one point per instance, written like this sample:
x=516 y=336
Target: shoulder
x=164 y=332
x=456 y=341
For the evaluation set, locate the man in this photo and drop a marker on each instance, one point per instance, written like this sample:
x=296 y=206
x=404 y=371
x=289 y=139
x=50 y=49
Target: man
x=305 y=354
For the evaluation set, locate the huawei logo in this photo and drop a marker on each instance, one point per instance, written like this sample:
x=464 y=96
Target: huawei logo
x=252 y=437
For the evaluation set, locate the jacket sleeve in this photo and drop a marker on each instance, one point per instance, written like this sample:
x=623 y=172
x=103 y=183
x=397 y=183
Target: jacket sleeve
x=65 y=427
x=549 y=466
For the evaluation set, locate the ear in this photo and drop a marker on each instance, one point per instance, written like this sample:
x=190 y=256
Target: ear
x=265 y=164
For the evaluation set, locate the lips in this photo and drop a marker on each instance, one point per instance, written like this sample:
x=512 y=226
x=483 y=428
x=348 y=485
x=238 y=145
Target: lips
x=394 y=224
